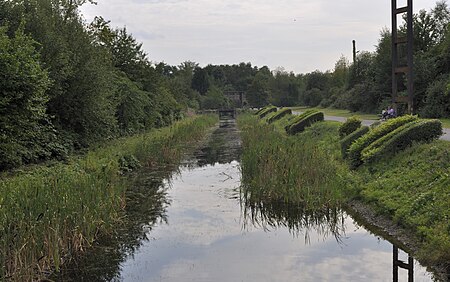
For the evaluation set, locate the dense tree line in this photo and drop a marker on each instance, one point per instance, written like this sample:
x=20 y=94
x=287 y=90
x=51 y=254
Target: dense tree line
x=66 y=84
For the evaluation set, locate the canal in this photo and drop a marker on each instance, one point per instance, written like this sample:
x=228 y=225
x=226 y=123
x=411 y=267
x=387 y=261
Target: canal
x=191 y=224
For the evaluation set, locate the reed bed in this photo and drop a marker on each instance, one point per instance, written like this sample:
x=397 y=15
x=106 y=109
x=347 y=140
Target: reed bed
x=48 y=214
x=297 y=169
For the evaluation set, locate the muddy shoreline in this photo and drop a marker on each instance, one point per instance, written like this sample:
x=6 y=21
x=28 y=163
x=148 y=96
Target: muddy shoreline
x=384 y=226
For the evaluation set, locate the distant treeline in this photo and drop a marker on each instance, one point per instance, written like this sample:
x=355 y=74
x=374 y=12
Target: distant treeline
x=65 y=84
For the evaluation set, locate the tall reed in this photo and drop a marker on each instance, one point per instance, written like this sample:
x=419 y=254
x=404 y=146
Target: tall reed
x=49 y=213
x=297 y=169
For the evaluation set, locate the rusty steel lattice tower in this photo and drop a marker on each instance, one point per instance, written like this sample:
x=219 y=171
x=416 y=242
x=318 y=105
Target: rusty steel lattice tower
x=397 y=68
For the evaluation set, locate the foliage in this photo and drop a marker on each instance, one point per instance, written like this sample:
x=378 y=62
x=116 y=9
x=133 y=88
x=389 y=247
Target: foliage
x=289 y=169
x=306 y=121
x=401 y=138
x=49 y=213
x=411 y=187
x=437 y=99
x=354 y=152
x=279 y=115
x=348 y=140
x=26 y=134
x=349 y=126
x=267 y=110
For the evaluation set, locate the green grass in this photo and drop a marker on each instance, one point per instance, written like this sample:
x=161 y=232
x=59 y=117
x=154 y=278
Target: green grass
x=411 y=187
x=298 y=169
x=48 y=214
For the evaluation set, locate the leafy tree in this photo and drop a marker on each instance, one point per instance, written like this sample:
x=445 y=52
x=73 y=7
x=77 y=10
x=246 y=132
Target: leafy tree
x=258 y=93
x=25 y=132
x=200 y=80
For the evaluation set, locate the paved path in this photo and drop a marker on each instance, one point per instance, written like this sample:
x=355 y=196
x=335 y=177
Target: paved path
x=446 y=135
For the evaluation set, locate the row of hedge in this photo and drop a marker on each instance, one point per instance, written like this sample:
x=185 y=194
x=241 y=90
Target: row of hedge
x=361 y=144
x=295 y=124
x=307 y=119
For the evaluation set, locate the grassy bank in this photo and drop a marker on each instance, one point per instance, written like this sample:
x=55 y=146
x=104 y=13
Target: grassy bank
x=411 y=187
x=49 y=213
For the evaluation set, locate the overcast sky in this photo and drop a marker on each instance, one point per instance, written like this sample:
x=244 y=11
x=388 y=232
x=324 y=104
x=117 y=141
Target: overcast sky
x=301 y=35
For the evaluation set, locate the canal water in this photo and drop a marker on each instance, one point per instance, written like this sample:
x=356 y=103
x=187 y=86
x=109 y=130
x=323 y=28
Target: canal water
x=193 y=225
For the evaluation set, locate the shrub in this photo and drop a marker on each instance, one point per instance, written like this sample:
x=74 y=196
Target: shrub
x=260 y=110
x=352 y=124
x=354 y=152
x=347 y=141
x=298 y=118
x=305 y=122
x=267 y=111
x=402 y=137
x=279 y=115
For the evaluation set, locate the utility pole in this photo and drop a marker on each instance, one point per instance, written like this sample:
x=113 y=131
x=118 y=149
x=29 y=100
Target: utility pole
x=408 y=69
x=354 y=52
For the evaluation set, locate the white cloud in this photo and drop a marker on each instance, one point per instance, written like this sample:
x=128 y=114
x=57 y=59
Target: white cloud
x=300 y=35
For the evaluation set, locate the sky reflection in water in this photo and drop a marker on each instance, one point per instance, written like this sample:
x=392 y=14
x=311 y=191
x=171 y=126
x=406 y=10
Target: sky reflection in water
x=206 y=238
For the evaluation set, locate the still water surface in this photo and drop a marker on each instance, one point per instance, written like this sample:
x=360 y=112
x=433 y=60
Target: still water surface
x=193 y=226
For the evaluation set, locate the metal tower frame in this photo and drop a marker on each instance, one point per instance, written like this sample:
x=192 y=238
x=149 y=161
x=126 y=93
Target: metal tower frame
x=398 y=69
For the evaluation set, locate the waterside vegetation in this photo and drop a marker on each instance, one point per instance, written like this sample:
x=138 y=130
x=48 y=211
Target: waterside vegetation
x=48 y=214
x=308 y=169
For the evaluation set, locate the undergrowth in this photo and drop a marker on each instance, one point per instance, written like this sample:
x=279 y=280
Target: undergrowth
x=412 y=187
x=48 y=214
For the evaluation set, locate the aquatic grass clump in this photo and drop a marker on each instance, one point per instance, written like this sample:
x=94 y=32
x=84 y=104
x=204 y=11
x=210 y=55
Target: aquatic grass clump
x=297 y=170
x=48 y=214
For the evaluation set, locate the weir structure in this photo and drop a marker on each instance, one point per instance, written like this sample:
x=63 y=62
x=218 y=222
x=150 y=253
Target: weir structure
x=399 y=67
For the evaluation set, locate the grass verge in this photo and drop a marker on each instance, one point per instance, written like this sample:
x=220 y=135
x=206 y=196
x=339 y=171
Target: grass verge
x=411 y=187
x=48 y=214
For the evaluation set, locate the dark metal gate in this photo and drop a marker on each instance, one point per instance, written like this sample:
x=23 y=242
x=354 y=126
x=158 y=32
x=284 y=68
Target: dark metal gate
x=397 y=68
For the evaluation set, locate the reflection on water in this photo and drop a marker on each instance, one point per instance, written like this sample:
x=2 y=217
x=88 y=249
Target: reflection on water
x=298 y=220
x=196 y=227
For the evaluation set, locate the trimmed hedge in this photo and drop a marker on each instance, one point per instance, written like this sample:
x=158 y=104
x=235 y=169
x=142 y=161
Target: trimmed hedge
x=305 y=122
x=260 y=110
x=267 y=111
x=349 y=126
x=402 y=137
x=298 y=118
x=354 y=152
x=348 y=140
x=279 y=115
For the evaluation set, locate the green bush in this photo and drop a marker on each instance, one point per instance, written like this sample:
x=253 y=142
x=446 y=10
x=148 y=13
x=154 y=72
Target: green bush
x=402 y=137
x=354 y=152
x=305 y=122
x=352 y=124
x=260 y=110
x=279 y=115
x=267 y=111
x=298 y=118
x=348 y=140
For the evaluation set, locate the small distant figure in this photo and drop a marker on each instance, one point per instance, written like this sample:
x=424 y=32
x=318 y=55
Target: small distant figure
x=384 y=114
x=391 y=112
x=388 y=113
